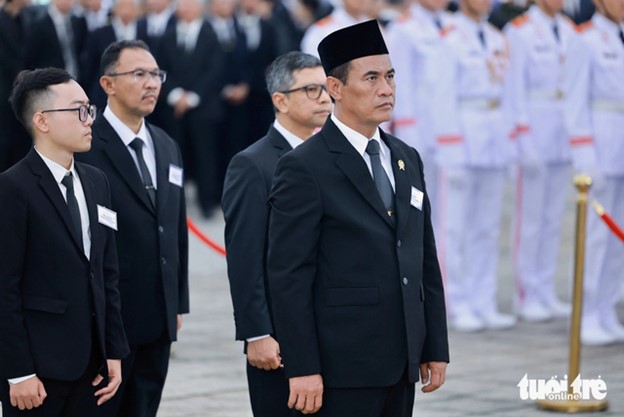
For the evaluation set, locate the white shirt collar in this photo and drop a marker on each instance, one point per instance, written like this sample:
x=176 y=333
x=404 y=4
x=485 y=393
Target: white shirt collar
x=56 y=16
x=606 y=24
x=124 y=32
x=538 y=14
x=125 y=133
x=290 y=137
x=357 y=140
x=58 y=171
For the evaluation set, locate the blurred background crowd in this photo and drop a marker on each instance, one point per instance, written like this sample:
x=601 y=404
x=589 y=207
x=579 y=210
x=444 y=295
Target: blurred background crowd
x=214 y=101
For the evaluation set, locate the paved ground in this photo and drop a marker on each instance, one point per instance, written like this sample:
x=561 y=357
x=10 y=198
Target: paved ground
x=207 y=377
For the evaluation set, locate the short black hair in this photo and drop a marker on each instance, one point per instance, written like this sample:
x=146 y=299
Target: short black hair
x=32 y=86
x=341 y=72
x=110 y=56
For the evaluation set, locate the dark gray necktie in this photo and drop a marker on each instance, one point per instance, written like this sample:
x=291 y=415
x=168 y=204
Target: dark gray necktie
x=382 y=182
x=137 y=145
x=556 y=32
x=621 y=34
x=72 y=204
x=481 y=35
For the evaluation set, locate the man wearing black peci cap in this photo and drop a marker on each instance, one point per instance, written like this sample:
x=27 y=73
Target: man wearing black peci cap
x=355 y=283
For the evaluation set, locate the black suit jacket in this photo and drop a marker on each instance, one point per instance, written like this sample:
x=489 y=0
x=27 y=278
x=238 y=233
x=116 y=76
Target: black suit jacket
x=152 y=244
x=355 y=298
x=42 y=45
x=52 y=294
x=245 y=193
x=200 y=71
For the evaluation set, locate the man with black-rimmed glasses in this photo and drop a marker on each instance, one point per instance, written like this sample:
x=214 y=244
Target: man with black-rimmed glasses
x=144 y=167
x=61 y=335
x=296 y=82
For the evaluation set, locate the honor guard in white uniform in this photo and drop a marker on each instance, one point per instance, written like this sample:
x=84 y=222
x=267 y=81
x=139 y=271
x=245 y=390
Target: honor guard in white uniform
x=351 y=12
x=538 y=41
x=594 y=89
x=414 y=40
x=472 y=152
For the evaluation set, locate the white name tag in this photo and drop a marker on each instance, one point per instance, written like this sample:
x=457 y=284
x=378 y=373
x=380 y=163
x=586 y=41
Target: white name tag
x=417 y=198
x=176 y=175
x=107 y=217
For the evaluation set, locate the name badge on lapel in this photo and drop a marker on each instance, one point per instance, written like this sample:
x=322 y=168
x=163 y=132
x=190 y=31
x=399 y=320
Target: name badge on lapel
x=176 y=175
x=107 y=217
x=417 y=198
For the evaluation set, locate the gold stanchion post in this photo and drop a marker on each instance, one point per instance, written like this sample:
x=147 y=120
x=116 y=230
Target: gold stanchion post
x=571 y=405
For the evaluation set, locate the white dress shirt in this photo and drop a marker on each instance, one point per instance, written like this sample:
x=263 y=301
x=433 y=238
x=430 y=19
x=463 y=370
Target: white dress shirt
x=157 y=22
x=292 y=139
x=359 y=142
x=124 y=32
x=127 y=136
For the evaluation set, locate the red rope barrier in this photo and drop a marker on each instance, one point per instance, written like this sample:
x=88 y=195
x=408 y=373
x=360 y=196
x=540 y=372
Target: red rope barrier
x=608 y=220
x=201 y=236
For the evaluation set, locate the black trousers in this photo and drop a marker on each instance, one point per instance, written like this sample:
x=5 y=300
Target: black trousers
x=144 y=372
x=64 y=398
x=268 y=392
x=394 y=401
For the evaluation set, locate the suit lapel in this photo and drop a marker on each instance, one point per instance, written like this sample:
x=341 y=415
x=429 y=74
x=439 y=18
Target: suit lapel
x=89 y=192
x=402 y=185
x=353 y=166
x=122 y=161
x=278 y=141
x=51 y=189
x=162 y=171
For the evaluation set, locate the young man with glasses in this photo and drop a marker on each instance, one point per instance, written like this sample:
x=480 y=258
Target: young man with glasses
x=296 y=82
x=144 y=167
x=61 y=335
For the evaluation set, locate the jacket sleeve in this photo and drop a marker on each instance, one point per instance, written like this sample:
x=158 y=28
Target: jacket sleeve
x=183 y=247
x=116 y=341
x=246 y=216
x=294 y=233
x=436 y=346
x=15 y=356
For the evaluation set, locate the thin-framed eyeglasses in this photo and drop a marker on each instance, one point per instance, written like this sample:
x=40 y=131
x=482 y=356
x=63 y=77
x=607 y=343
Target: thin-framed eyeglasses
x=84 y=111
x=142 y=75
x=313 y=91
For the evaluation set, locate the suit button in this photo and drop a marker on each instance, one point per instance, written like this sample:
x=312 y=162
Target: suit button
x=405 y=281
x=399 y=243
x=92 y=275
x=161 y=229
x=163 y=261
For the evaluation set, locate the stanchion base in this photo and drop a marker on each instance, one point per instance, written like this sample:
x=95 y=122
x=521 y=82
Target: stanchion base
x=573 y=406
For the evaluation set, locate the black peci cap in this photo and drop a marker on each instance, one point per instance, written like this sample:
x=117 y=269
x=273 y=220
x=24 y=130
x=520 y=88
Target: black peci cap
x=352 y=42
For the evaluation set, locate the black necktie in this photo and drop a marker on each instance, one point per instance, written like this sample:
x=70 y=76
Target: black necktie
x=72 y=204
x=621 y=36
x=437 y=22
x=482 y=38
x=556 y=32
x=382 y=182
x=137 y=145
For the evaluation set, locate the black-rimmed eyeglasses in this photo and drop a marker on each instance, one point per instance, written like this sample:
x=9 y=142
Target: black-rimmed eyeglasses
x=84 y=111
x=142 y=75
x=313 y=91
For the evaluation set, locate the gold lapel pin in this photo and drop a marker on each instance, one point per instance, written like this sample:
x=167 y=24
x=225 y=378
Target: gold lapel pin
x=401 y=164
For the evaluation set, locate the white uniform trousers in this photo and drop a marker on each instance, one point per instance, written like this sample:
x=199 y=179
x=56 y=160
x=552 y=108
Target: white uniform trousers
x=604 y=255
x=469 y=227
x=541 y=194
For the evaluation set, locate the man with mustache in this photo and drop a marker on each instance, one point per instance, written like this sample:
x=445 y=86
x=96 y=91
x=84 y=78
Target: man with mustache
x=296 y=82
x=144 y=167
x=358 y=301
